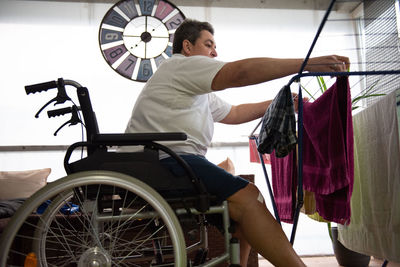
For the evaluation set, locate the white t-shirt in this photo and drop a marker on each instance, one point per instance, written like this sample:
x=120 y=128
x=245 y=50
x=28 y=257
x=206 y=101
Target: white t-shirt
x=178 y=98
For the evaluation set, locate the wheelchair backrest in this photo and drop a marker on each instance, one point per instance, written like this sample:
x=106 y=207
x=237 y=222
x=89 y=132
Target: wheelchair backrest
x=92 y=128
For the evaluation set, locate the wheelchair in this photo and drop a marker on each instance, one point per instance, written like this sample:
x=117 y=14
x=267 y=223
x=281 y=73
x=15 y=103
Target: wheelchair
x=115 y=208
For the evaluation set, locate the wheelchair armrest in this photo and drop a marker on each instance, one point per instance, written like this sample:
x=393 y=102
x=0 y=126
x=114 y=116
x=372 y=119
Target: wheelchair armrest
x=137 y=138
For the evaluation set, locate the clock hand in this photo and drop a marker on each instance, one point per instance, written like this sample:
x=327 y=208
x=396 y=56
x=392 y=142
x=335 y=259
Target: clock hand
x=136 y=45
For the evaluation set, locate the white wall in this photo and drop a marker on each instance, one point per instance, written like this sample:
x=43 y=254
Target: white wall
x=42 y=41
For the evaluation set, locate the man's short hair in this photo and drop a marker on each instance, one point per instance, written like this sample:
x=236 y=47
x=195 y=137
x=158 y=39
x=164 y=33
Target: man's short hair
x=189 y=30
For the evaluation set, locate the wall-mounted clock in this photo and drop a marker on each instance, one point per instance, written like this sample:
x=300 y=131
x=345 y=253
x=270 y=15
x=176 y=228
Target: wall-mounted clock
x=135 y=36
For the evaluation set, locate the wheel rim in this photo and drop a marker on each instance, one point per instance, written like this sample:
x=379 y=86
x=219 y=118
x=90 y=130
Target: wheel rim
x=101 y=234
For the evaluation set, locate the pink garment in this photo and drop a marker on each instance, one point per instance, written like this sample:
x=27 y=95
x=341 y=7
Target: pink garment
x=284 y=184
x=328 y=160
x=254 y=154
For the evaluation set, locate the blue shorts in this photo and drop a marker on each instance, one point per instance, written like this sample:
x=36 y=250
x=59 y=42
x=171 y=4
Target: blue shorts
x=217 y=181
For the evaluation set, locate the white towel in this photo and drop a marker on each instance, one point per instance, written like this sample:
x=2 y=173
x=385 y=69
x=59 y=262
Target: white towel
x=375 y=204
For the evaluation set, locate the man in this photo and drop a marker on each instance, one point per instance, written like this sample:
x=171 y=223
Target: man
x=179 y=98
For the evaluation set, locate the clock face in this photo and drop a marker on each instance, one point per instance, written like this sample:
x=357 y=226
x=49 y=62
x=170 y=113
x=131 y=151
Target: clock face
x=136 y=36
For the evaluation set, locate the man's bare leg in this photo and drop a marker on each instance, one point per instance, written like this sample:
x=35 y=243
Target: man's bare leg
x=260 y=228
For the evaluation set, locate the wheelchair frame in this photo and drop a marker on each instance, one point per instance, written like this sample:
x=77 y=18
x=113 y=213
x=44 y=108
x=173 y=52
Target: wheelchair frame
x=114 y=209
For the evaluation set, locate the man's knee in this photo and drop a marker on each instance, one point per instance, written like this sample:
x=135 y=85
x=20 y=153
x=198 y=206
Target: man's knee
x=243 y=199
x=251 y=191
x=255 y=194
x=248 y=193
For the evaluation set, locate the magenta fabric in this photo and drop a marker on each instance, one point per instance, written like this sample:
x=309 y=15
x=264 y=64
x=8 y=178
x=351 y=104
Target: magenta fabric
x=328 y=160
x=284 y=184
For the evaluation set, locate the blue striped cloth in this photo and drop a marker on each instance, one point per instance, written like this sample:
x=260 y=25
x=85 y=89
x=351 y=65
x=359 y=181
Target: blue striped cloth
x=278 y=129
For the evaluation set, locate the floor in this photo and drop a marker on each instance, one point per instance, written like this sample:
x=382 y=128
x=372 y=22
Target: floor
x=328 y=261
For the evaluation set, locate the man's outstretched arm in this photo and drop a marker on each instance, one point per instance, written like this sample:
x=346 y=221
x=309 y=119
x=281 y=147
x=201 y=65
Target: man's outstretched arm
x=258 y=70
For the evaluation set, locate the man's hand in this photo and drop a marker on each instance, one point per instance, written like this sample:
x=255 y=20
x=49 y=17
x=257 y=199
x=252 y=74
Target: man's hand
x=328 y=64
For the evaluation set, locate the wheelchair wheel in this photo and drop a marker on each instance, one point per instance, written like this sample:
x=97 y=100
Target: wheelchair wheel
x=94 y=218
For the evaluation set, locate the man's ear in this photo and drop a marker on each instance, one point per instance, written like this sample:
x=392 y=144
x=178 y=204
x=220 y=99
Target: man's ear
x=186 y=47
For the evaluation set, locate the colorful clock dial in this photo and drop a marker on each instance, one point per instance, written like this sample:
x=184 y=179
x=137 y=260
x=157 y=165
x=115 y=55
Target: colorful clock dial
x=136 y=36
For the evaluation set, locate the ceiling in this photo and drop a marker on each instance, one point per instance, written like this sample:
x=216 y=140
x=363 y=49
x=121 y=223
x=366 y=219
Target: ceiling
x=340 y=5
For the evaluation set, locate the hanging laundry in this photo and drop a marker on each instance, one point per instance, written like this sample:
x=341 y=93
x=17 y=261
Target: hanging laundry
x=254 y=154
x=375 y=219
x=284 y=184
x=328 y=152
x=309 y=203
x=278 y=129
x=309 y=207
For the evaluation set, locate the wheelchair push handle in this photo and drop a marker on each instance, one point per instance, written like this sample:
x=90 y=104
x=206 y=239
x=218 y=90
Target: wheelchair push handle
x=40 y=87
x=59 y=84
x=61 y=96
x=59 y=112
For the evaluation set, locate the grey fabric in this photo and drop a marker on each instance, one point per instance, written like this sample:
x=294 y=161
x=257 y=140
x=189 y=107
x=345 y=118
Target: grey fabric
x=278 y=129
x=9 y=207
